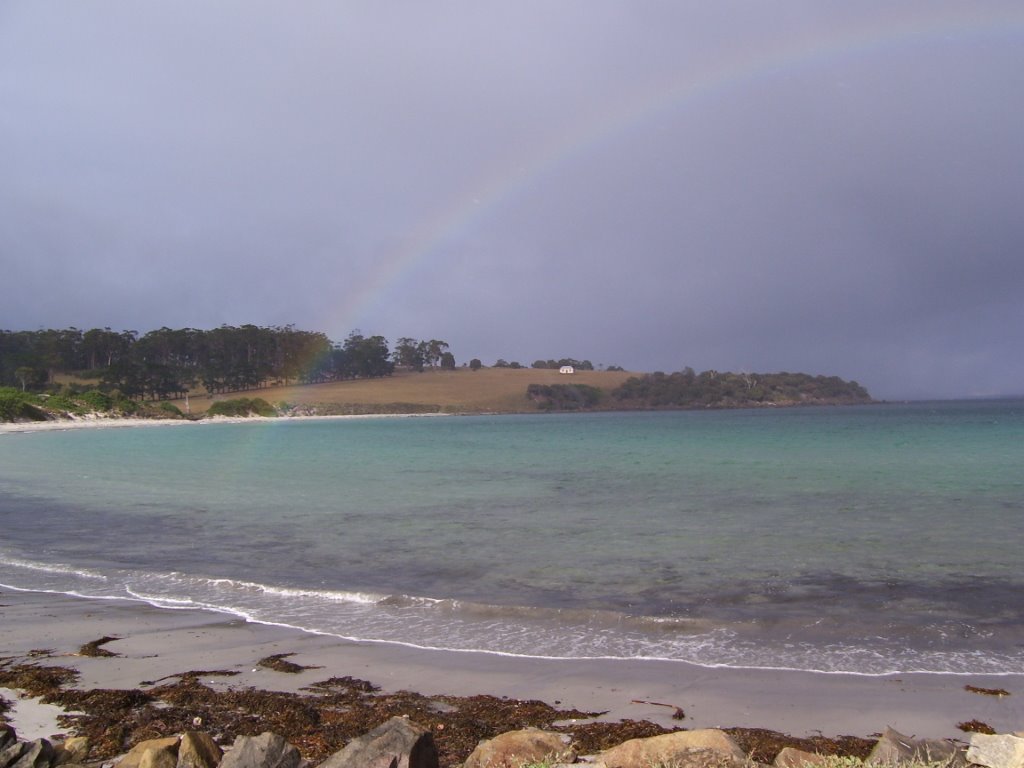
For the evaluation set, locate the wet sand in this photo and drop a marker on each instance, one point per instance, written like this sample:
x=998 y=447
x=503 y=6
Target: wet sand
x=156 y=642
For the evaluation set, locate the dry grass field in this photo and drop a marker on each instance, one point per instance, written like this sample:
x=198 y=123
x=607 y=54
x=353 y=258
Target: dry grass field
x=488 y=390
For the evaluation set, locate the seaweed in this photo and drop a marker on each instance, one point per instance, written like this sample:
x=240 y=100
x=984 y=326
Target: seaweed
x=94 y=648
x=763 y=745
x=326 y=715
x=278 y=662
x=987 y=691
x=976 y=726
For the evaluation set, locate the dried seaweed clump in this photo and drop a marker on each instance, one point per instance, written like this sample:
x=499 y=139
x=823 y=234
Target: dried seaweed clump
x=33 y=679
x=976 y=726
x=987 y=691
x=278 y=662
x=95 y=649
x=763 y=745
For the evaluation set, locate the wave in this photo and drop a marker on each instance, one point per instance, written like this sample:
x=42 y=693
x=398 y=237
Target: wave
x=30 y=565
x=364 y=598
x=512 y=630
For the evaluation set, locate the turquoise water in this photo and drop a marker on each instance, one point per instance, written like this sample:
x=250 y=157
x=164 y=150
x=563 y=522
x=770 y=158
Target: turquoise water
x=869 y=539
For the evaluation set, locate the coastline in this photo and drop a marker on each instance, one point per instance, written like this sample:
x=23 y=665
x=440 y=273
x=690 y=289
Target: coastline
x=63 y=425
x=155 y=643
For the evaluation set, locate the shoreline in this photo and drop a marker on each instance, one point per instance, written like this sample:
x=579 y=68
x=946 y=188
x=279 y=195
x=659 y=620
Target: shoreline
x=64 y=425
x=155 y=643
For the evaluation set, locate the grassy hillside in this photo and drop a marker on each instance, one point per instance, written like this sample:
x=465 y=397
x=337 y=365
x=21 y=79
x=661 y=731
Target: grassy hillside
x=501 y=390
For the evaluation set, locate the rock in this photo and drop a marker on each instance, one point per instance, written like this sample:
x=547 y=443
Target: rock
x=159 y=758
x=513 y=749
x=791 y=757
x=38 y=754
x=1000 y=751
x=708 y=746
x=72 y=750
x=894 y=747
x=12 y=753
x=268 y=750
x=134 y=757
x=397 y=743
x=7 y=736
x=198 y=750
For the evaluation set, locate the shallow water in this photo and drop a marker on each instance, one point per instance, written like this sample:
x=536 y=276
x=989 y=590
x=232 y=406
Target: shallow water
x=867 y=539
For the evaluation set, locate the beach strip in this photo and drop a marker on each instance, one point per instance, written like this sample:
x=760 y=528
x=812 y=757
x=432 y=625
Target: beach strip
x=104 y=422
x=154 y=643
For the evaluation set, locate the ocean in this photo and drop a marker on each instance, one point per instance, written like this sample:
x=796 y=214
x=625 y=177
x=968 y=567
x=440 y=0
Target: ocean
x=870 y=539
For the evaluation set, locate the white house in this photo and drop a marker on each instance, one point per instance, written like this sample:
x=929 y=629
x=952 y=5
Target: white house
x=567 y=369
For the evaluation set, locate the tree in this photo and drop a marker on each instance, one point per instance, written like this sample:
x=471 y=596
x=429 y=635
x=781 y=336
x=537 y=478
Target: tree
x=409 y=353
x=24 y=375
x=367 y=357
x=432 y=351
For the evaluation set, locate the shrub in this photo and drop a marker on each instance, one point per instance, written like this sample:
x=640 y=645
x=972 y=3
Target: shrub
x=95 y=400
x=19 y=406
x=63 y=404
x=170 y=409
x=127 y=407
x=242 y=406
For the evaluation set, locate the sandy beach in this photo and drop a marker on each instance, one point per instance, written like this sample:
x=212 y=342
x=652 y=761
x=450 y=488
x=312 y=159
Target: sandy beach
x=102 y=422
x=156 y=642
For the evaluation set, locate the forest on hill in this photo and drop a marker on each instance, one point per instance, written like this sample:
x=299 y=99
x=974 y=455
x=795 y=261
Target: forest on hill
x=167 y=363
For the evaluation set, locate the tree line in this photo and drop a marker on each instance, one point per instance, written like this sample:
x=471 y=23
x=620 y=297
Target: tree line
x=167 y=363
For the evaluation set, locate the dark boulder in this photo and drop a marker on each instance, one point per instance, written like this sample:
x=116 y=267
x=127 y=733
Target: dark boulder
x=7 y=736
x=12 y=753
x=38 y=754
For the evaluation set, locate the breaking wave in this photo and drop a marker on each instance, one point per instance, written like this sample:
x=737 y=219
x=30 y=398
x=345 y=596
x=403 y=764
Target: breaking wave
x=513 y=630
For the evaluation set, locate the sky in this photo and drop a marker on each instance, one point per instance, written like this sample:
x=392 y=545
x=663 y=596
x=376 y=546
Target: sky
x=806 y=185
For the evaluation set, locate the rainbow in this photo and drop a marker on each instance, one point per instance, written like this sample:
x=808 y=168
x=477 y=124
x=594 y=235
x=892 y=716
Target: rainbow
x=891 y=29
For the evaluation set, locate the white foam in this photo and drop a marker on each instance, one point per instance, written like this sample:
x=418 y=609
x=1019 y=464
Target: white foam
x=49 y=568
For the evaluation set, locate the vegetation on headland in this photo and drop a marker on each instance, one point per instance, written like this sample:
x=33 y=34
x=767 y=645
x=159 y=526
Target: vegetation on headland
x=713 y=389
x=710 y=389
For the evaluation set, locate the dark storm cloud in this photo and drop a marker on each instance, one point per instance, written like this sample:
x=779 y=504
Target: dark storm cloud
x=802 y=186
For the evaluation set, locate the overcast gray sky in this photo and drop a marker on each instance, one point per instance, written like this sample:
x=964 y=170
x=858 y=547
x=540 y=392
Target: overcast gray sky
x=817 y=186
